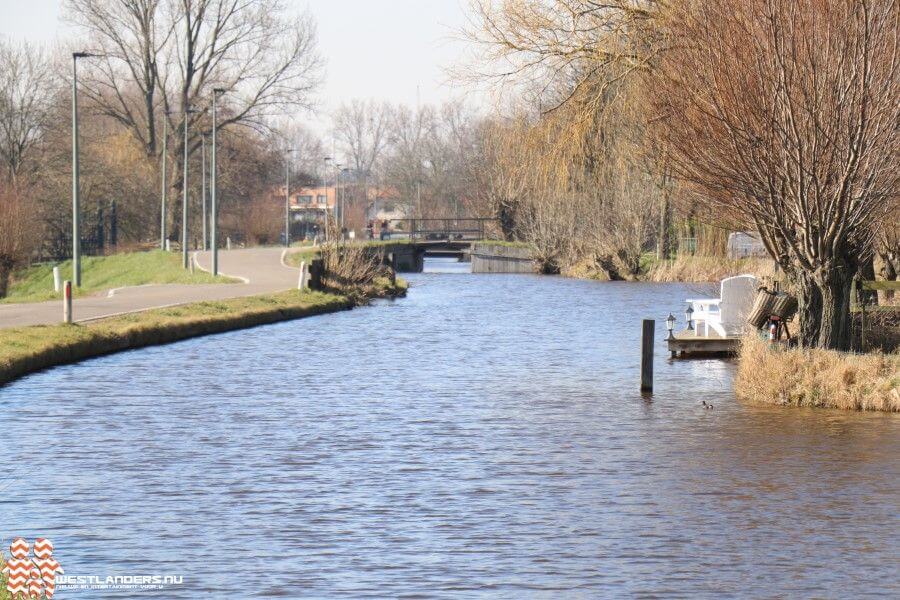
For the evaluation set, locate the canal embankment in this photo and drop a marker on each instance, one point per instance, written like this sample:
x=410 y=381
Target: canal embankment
x=27 y=350
x=506 y=257
x=490 y=257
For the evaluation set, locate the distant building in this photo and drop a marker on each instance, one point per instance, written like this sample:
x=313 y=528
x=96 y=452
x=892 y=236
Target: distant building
x=310 y=204
x=745 y=245
x=384 y=204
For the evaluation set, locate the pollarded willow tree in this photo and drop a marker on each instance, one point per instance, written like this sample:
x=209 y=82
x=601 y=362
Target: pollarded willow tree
x=784 y=114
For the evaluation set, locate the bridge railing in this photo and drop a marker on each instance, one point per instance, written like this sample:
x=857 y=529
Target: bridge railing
x=445 y=229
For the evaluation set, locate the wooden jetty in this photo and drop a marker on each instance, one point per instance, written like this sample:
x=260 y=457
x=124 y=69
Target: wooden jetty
x=685 y=344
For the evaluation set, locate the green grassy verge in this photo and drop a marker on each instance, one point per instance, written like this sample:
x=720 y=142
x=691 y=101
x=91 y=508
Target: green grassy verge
x=28 y=349
x=98 y=273
x=296 y=257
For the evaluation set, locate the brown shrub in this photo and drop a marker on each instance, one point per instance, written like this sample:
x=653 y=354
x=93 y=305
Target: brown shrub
x=19 y=233
x=818 y=378
x=350 y=267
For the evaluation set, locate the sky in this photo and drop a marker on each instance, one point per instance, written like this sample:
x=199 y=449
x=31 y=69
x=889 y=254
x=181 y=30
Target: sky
x=394 y=50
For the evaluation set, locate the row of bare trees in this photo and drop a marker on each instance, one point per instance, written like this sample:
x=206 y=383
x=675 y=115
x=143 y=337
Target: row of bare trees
x=427 y=157
x=154 y=67
x=778 y=116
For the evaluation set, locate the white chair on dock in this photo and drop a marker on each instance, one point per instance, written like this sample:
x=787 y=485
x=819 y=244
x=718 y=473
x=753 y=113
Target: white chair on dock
x=726 y=315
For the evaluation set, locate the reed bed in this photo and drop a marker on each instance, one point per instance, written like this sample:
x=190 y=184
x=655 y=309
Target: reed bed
x=818 y=378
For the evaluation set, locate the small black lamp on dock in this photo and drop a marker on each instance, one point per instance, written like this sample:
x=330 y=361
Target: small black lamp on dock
x=689 y=317
x=670 y=326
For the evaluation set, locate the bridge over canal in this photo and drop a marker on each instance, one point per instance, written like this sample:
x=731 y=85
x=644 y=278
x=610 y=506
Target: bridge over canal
x=414 y=239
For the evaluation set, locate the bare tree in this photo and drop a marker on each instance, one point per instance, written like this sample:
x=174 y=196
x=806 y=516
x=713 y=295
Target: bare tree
x=27 y=89
x=361 y=129
x=784 y=114
x=405 y=167
x=534 y=45
x=160 y=56
x=131 y=36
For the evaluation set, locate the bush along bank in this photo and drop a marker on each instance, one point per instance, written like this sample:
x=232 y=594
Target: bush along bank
x=29 y=349
x=818 y=378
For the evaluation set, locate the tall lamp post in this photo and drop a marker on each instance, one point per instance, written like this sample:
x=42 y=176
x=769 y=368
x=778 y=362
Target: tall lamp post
x=344 y=172
x=326 y=160
x=213 y=217
x=76 y=225
x=165 y=184
x=337 y=198
x=203 y=188
x=287 y=198
x=188 y=111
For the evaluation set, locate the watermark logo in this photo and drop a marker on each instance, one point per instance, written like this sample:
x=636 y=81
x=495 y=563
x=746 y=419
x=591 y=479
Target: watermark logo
x=40 y=576
x=32 y=577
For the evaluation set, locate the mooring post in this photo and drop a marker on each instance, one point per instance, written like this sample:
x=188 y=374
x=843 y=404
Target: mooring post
x=67 y=302
x=647 y=355
x=57 y=280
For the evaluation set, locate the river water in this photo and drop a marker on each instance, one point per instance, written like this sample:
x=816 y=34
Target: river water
x=484 y=436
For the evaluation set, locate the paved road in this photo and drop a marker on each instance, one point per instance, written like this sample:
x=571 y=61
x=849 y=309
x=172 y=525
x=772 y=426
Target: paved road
x=260 y=268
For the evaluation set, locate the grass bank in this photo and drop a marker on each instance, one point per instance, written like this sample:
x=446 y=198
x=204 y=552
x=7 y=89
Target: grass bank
x=818 y=378
x=100 y=273
x=29 y=349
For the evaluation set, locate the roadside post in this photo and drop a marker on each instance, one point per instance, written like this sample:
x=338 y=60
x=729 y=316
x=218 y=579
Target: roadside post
x=304 y=276
x=57 y=280
x=647 y=355
x=67 y=302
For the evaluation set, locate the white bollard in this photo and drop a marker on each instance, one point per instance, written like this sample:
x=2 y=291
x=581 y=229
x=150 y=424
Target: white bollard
x=168 y=245
x=67 y=302
x=57 y=280
x=228 y=243
x=301 y=285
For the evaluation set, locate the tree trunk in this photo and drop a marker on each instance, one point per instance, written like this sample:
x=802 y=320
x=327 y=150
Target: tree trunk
x=5 y=272
x=663 y=248
x=825 y=308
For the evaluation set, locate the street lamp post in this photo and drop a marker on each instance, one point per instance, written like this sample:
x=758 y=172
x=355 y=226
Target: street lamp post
x=344 y=172
x=203 y=188
x=165 y=184
x=188 y=111
x=76 y=225
x=213 y=184
x=287 y=198
x=338 y=217
x=327 y=159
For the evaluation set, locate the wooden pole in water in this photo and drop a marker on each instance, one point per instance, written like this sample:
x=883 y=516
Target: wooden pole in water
x=647 y=355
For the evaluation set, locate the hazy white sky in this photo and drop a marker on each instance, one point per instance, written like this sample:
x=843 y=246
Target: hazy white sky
x=381 y=49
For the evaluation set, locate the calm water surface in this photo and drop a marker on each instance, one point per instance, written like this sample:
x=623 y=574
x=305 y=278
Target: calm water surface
x=483 y=436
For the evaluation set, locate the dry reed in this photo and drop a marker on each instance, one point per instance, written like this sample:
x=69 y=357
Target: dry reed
x=818 y=378
x=708 y=268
